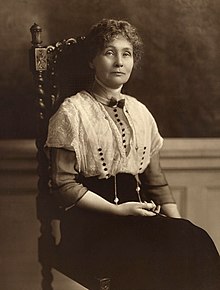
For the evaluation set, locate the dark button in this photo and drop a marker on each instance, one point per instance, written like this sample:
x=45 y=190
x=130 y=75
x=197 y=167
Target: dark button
x=105 y=169
x=140 y=168
x=102 y=159
x=141 y=163
x=115 y=110
x=145 y=148
x=99 y=149
x=121 y=124
x=125 y=146
x=116 y=115
x=124 y=141
x=123 y=129
x=123 y=135
x=104 y=164
x=100 y=153
x=144 y=152
x=118 y=120
x=142 y=158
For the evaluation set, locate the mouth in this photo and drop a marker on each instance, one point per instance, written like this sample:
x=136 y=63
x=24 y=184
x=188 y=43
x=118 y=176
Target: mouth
x=118 y=73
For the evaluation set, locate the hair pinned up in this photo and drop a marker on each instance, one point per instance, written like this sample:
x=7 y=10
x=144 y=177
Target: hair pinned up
x=106 y=30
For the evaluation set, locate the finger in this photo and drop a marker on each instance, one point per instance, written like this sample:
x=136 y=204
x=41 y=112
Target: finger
x=153 y=203
x=157 y=209
x=148 y=213
x=148 y=205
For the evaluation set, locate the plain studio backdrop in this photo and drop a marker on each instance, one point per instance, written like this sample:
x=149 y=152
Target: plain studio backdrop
x=178 y=81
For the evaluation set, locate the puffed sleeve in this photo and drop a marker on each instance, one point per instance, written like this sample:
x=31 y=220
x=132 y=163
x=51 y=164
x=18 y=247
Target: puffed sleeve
x=63 y=129
x=60 y=133
x=156 y=139
x=67 y=189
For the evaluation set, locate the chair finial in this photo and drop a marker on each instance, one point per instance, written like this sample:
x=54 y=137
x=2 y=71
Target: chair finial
x=36 y=35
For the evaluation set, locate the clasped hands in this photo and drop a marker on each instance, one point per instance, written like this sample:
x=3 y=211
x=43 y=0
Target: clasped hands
x=139 y=208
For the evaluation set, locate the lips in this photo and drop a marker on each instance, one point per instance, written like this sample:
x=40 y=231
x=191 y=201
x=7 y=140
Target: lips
x=118 y=73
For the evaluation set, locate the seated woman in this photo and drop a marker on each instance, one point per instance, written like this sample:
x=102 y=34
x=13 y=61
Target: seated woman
x=121 y=219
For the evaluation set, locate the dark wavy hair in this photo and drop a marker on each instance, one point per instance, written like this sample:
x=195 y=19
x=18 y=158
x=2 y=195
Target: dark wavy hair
x=106 y=30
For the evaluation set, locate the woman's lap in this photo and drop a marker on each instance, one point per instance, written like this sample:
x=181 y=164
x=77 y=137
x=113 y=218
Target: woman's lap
x=140 y=249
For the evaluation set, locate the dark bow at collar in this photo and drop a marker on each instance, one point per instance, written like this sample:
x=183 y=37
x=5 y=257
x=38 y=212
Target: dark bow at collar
x=114 y=103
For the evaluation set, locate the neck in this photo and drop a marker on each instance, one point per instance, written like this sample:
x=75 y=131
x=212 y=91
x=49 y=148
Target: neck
x=102 y=91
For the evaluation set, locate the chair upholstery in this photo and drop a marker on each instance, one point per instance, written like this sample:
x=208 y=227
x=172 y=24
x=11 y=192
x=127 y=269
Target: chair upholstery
x=58 y=71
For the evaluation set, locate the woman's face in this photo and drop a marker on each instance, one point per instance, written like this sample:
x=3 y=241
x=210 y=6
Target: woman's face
x=113 y=65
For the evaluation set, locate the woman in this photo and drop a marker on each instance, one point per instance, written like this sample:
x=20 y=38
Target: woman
x=121 y=217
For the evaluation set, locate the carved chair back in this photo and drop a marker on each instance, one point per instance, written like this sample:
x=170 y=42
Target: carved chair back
x=59 y=70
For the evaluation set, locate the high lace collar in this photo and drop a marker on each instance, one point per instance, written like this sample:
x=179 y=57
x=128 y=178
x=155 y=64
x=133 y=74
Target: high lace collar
x=104 y=94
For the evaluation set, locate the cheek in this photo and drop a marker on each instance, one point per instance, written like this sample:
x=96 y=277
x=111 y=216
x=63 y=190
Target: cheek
x=130 y=66
x=102 y=67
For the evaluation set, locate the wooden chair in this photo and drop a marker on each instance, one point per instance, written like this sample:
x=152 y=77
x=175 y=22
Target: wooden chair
x=58 y=71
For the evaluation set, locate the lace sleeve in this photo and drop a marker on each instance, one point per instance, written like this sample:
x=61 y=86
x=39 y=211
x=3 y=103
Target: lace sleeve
x=156 y=139
x=61 y=133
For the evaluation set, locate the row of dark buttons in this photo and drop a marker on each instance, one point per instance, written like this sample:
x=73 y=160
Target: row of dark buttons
x=123 y=129
x=103 y=161
x=142 y=158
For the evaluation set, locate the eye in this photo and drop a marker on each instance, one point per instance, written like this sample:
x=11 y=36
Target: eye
x=127 y=54
x=109 y=52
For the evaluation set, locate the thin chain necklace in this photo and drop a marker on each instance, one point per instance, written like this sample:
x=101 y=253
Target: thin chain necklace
x=138 y=189
x=104 y=95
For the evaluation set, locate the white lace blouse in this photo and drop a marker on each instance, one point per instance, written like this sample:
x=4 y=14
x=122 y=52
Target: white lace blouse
x=93 y=139
x=105 y=142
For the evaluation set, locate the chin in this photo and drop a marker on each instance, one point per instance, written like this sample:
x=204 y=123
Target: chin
x=117 y=83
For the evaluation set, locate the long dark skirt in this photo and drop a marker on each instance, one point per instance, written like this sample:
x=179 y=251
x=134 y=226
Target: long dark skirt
x=139 y=253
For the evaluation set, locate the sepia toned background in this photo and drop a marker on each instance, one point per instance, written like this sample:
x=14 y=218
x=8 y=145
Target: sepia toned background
x=179 y=77
x=178 y=81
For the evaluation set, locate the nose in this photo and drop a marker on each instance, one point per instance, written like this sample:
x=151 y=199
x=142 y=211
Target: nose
x=119 y=61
